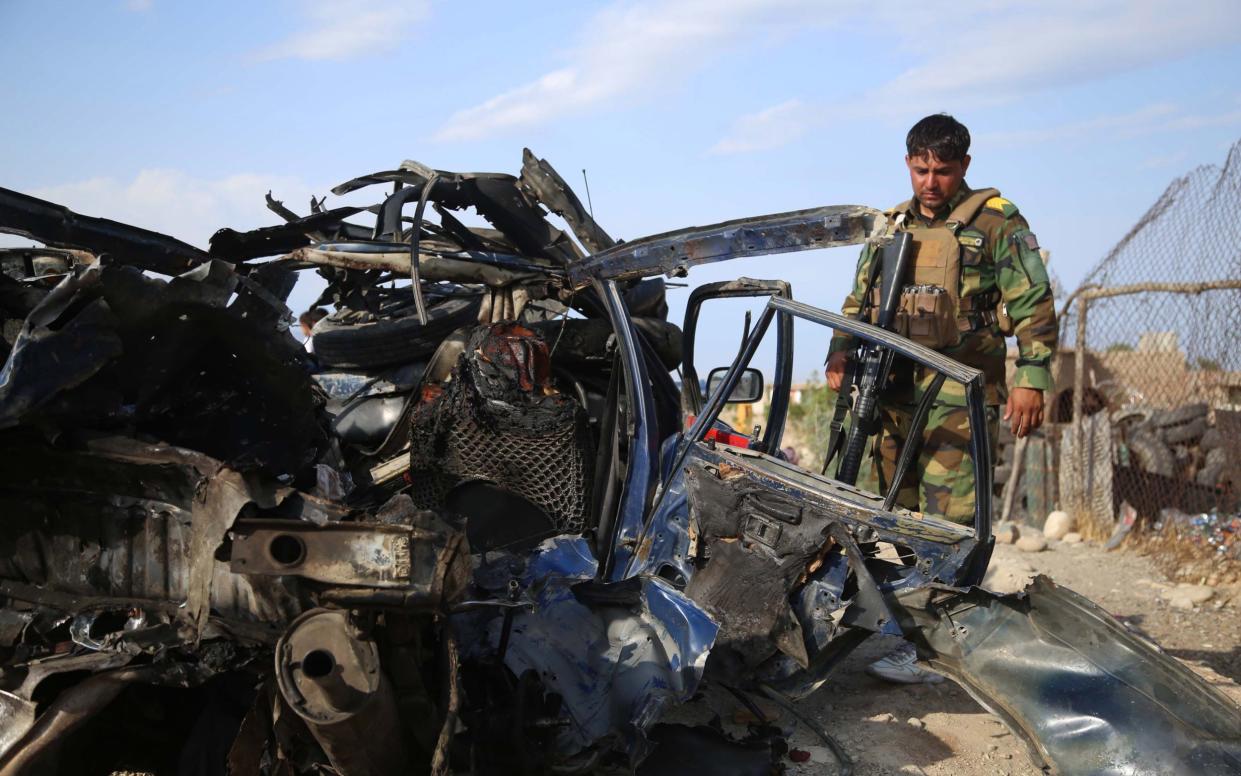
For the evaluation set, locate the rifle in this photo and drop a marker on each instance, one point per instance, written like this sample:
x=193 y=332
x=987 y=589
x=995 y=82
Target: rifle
x=869 y=372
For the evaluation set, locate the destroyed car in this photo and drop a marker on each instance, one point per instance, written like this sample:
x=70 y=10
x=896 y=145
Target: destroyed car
x=481 y=529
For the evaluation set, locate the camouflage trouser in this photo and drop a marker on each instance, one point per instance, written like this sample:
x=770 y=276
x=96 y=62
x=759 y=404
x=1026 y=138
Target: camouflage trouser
x=940 y=481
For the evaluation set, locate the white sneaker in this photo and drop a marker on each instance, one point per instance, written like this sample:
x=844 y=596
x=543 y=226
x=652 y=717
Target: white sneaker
x=900 y=666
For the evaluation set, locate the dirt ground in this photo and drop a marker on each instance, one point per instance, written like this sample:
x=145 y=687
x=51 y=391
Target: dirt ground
x=938 y=729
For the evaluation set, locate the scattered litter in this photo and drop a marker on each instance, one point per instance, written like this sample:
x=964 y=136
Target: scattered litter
x=1220 y=531
x=1128 y=517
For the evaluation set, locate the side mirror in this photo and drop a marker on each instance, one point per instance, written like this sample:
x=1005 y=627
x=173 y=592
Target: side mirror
x=749 y=388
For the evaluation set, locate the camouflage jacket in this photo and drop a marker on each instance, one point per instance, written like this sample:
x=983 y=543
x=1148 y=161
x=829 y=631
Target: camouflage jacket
x=999 y=253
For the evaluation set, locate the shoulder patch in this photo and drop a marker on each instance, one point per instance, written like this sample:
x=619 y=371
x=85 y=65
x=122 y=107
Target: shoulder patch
x=1002 y=205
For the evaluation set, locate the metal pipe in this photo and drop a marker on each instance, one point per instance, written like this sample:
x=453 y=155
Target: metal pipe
x=463 y=267
x=415 y=237
x=933 y=359
x=72 y=709
x=330 y=675
x=440 y=766
x=782 y=390
x=1094 y=291
x=642 y=475
x=1170 y=288
x=1014 y=477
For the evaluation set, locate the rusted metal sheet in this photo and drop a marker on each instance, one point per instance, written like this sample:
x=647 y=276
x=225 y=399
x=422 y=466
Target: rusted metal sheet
x=339 y=553
x=431 y=267
x=116 y=528
x=545 y=184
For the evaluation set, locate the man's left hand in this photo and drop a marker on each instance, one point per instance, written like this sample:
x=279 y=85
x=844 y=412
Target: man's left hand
x=1024 y=410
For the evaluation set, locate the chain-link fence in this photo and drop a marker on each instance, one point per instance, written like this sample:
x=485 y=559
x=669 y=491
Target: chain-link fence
x=1147 y=409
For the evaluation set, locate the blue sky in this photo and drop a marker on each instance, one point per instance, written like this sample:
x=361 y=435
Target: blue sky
x=179 y=116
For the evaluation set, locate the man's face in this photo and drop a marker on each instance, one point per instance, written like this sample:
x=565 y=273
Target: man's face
x=934 y=180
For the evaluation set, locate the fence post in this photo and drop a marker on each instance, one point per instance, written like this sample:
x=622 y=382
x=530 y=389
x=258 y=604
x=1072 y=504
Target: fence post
x=1078 y=500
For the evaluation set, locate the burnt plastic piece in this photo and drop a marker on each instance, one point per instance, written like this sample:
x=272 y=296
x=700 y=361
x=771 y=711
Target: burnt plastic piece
x=271 y=240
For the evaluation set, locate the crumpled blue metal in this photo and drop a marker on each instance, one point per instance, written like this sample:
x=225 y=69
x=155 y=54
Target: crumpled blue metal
x=560 y=557
x=617 y=667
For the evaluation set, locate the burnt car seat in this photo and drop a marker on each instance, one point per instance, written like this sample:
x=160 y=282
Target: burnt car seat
x=497 y=443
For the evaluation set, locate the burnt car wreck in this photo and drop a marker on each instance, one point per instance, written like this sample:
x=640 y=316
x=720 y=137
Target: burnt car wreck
x=482 y=529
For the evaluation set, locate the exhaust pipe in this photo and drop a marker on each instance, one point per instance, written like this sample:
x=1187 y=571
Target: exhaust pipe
x=329 y=674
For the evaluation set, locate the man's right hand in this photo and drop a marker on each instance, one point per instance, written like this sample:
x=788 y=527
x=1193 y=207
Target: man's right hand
x=836 y=369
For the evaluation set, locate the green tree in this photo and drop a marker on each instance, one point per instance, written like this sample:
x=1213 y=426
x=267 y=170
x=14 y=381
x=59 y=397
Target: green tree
x=810 y=422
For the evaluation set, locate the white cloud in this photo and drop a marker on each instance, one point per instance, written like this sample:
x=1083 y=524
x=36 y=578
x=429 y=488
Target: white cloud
x=986 y=52
x=176 y=203
x=1152 y=119
x=188 y=208
x=771 y=128
x=343 y=29
x=1003 y=52
x=629 y=49
x=1130 y=123
x=1164 y=160
x=1199 y=121
x=1015 y=49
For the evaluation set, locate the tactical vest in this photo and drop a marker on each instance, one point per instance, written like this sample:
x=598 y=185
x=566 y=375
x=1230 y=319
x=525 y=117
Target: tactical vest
x=932 y=312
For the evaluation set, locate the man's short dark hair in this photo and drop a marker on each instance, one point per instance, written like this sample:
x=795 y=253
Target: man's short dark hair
x=941 y=135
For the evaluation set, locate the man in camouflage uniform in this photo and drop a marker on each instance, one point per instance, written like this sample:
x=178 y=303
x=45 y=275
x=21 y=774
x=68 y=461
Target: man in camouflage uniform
x=1002 y=287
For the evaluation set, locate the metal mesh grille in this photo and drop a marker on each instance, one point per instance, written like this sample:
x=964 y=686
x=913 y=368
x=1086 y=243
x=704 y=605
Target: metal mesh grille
x=1164 y=361
x=539 y=450
x=1190 y=235
x=1098 y=466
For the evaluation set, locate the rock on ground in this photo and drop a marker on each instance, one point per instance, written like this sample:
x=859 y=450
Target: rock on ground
x=1058 y=524
x=1031 y=544
x=1072 y=537
x=1187 y=596
x=1008 y=575
x=1007 y=533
